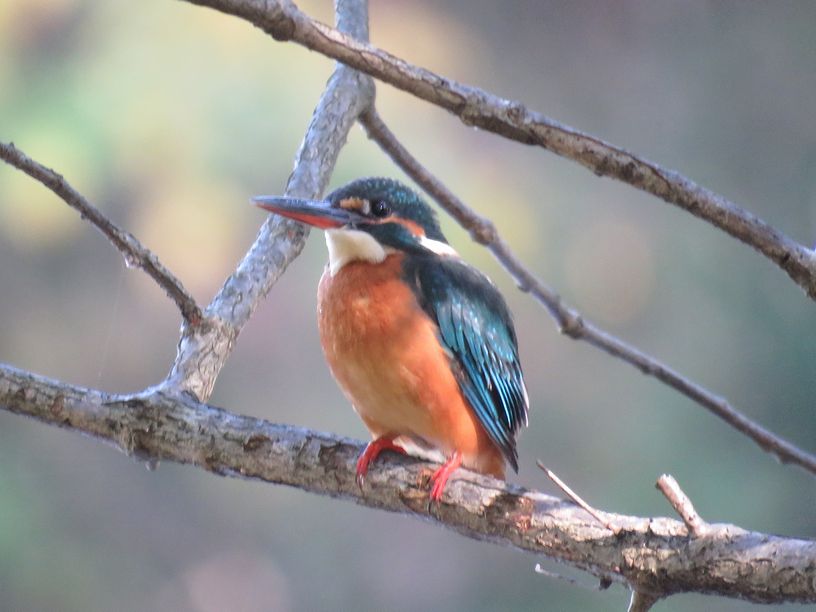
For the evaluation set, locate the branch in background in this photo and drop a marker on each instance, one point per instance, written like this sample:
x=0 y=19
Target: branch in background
x=651 y=555
x=136 y=255
x=203 y=351
x=569 y=320
x=475 y=107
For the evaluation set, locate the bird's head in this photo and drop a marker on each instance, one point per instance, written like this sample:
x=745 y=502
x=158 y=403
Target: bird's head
x=367 y=220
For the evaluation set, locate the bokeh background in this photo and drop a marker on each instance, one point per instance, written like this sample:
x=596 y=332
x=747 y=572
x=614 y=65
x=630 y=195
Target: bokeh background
x=169 y=116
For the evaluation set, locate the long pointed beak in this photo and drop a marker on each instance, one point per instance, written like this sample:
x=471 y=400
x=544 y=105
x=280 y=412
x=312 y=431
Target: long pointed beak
x=317 y=213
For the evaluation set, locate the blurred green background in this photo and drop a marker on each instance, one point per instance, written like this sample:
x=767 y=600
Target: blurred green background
x=169 y=117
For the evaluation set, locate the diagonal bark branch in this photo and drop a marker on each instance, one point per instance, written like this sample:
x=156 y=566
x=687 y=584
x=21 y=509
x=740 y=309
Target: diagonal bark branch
x=655 y=556
x=476 y=107
x=136 y=255
x=203 y=351
x=569 y=320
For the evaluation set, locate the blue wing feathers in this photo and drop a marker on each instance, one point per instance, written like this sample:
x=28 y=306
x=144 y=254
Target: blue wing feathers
x=475 y=326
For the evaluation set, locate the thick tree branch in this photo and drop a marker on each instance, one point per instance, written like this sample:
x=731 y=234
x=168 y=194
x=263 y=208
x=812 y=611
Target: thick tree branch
x=475 y=107
x=203 y=351
x=653 y=556
x=136 y=255
x=569 y=320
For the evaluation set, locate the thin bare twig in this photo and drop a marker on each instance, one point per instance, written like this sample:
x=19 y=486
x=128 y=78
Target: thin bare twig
x=569 y=320
x=650 y=554
x=682 y=505
x=202 y=352
x=135 y=254
x=576 y=499
x=476 y=107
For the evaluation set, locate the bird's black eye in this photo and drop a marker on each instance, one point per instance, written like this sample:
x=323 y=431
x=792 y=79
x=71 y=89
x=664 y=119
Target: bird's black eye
x=380 y=208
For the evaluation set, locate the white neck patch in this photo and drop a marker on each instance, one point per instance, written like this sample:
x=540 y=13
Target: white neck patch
x=346 y=246
x=438 y=247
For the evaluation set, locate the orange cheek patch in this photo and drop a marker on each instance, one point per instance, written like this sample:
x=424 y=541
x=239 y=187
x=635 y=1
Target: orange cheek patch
x=413 y=227
x=355 y=204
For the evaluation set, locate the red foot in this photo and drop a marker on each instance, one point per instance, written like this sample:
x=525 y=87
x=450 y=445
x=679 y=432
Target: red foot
x=372 y=451
x=440 y=476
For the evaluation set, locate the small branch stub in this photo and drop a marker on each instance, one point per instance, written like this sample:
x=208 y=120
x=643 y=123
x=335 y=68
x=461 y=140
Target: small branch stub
x=682 y=505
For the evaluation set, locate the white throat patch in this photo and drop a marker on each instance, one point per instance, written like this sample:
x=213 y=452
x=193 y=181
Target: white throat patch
x=346 y=246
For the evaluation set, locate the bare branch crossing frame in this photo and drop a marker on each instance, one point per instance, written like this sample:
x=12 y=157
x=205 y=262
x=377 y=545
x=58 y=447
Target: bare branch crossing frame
x=171 y=421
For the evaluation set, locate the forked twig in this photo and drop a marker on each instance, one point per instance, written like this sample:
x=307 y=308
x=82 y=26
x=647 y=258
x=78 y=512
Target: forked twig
x=203 y=352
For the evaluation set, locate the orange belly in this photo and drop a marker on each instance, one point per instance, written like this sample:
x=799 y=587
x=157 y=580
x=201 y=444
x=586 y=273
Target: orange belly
x=384 y=353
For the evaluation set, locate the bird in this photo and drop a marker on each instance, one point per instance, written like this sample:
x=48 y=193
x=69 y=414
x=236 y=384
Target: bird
x=421 y=343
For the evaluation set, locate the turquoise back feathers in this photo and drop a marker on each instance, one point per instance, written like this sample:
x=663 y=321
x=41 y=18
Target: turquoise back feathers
x=476 y=327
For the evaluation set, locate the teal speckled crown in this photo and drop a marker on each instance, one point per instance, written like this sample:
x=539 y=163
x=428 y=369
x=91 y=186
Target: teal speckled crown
x=404 y=201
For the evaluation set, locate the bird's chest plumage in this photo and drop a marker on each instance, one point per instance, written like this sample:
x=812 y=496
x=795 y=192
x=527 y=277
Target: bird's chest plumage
x=385 y=353
x=381 y=346
x=363 y=309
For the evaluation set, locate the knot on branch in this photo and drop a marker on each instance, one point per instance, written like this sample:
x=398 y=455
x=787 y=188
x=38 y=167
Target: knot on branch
x=275 y=19
x=569 y=323
x=483 y=231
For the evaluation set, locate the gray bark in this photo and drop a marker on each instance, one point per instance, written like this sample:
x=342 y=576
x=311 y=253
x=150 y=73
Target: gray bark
x=655 y=556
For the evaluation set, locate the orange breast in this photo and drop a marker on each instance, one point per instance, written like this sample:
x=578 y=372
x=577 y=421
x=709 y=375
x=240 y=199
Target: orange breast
x=384 y=352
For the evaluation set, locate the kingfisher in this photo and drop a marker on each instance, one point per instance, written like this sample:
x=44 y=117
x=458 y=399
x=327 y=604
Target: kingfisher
x=421 y=343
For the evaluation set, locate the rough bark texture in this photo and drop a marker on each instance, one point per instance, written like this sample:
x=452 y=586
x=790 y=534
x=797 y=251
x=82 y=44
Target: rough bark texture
x=654 y=556
x=475 y=107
